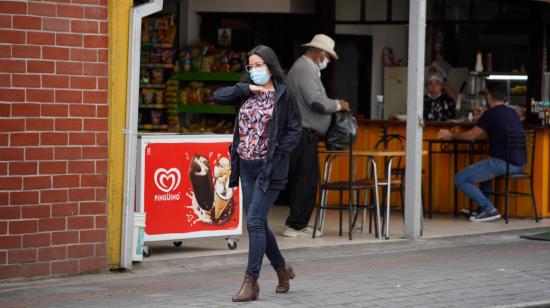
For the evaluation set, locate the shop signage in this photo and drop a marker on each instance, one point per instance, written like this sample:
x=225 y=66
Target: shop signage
x=184 y=187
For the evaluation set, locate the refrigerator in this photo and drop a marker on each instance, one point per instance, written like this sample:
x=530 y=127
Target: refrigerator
x=395 y=87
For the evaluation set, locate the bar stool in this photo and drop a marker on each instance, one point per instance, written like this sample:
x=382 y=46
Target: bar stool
x=518 y=141
x=398 y=172
x=353 y=186
x=329 y=184
x=398 y=142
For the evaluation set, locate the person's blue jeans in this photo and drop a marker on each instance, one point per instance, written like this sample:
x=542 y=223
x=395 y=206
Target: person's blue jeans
x=257 y=204
x=482 y=172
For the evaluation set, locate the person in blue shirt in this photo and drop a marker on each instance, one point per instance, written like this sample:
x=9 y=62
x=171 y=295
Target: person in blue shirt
x=493 y=123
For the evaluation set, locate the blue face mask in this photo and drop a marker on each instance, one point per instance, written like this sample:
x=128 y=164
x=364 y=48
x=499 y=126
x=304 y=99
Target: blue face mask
x=260 y=76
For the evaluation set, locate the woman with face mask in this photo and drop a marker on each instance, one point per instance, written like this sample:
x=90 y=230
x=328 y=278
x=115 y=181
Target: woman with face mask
x=267 y=129
x=438 y=105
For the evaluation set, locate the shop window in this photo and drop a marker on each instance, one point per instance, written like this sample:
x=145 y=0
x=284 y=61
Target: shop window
x=515 y=12
x=434 y=10
x=248 y=30
x=371 y=10
x=376 y=10
x=456 y=10
x=349 y=10
x=485 y=10
x=400 y=10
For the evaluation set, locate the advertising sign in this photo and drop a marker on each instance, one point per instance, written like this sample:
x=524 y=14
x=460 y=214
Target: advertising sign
x=184 y=187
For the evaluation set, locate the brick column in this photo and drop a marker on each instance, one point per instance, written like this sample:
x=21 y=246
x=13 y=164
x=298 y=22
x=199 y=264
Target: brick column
x=53 y=137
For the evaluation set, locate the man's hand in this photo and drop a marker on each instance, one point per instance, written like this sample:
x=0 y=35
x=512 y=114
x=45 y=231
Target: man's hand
x=344 y=105
x=445 y=134
x=257 y=89
x=456 y=130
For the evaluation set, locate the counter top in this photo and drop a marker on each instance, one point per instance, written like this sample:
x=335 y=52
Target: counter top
x=427 y=123
x=438 y=123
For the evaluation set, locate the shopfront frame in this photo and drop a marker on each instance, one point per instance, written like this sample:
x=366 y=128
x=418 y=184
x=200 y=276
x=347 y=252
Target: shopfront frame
x=118 y=82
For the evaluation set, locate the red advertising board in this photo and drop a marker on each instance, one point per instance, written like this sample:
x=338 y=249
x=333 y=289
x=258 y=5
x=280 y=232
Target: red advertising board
x=184 y=187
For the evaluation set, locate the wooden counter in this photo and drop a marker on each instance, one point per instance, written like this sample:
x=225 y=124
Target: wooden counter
x=370 y=132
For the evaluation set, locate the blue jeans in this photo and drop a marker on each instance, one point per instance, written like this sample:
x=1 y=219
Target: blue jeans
x=257 y=204
x=482 y=172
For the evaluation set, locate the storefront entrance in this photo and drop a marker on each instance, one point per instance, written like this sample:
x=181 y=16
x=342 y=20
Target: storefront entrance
x=202 y=48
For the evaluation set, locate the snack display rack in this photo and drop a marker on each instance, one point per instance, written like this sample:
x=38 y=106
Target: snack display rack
x=176 y=85
x=158 y=97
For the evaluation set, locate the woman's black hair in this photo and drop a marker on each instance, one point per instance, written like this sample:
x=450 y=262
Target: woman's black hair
x=270 y=59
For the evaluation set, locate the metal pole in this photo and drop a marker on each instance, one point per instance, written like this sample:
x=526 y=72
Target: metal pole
x=130 y=146
x=415 y=94
x=350 y=180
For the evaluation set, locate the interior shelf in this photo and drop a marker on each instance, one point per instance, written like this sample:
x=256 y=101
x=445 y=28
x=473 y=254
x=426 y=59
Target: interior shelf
x=153 y=85
x=212 y=109
x=157 y=45
x=153 y=106
x=214 y=76
x=152 y=127
x=157 y=65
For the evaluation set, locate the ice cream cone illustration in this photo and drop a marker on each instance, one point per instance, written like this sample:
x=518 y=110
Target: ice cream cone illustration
x=200 y=176
x=223 y=194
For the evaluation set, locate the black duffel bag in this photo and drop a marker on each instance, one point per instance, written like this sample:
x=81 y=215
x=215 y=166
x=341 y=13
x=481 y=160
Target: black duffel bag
x=342 y=126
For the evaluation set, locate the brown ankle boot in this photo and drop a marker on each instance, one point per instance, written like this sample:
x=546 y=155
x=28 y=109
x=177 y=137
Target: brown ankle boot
x=284 y=274
x=250 y=290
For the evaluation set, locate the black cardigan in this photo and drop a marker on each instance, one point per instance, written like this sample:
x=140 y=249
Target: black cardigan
x=284 y=134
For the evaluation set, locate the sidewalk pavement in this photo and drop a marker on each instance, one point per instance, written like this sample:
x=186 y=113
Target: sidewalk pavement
x=492 y=270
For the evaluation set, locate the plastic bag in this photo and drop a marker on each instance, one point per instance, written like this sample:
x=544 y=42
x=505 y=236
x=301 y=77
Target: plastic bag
x=338 y=136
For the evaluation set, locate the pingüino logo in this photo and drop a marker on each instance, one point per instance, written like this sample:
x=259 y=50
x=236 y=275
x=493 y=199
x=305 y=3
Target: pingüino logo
x=167 y=181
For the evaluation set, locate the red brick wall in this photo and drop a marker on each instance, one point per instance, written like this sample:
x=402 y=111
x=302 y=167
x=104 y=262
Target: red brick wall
x=53 y=137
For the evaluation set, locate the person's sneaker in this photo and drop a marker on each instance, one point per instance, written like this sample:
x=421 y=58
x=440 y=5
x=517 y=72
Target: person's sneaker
x=475 y=212
x=486 y=216
x=305 y=232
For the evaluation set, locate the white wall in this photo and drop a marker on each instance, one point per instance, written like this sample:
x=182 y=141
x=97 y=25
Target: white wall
x=191 y=8
x=256 y=6
x=193 y=27
x=393 y=36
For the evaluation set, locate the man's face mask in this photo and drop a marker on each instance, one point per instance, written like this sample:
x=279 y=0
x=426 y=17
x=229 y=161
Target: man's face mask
x=323 y=63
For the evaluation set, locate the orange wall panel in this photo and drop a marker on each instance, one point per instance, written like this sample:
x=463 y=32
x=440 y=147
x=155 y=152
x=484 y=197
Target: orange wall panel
x=443 y=173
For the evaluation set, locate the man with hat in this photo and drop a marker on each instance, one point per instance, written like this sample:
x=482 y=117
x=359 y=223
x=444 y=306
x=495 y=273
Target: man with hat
x=316 y=109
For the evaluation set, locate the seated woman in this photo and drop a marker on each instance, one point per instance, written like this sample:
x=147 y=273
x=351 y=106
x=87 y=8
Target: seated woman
x=438 y=105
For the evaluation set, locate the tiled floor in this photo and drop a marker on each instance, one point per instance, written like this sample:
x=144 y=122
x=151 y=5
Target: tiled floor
x=439 y=226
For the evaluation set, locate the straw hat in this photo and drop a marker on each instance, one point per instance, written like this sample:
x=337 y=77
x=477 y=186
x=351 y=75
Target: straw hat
x=323 y=42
